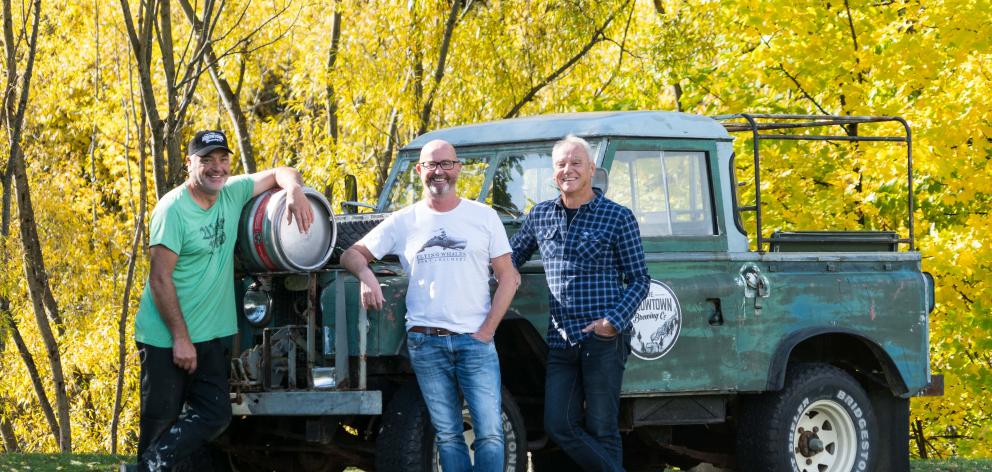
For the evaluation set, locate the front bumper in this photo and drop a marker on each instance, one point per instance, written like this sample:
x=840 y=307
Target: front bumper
x=307 y=403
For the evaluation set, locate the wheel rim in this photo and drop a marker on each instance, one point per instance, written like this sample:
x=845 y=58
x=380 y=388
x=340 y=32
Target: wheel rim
x=825 y=439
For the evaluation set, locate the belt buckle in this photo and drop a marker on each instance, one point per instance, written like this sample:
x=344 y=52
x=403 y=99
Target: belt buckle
x=441 y=332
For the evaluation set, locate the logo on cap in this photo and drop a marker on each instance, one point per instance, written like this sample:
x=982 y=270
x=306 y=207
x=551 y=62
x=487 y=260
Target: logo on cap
x=212 y=138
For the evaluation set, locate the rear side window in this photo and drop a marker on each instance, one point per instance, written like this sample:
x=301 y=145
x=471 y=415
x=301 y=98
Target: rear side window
x=668 y=191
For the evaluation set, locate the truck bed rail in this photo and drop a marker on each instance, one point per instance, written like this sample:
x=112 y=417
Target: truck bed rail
x=756 y=123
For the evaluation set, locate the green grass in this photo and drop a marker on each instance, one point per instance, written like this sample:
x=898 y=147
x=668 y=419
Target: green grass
x=88 y=462
x=952 y=465
x=16 y=462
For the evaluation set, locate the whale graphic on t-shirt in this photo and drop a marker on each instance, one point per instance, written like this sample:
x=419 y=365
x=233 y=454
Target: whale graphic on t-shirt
x=443 y=241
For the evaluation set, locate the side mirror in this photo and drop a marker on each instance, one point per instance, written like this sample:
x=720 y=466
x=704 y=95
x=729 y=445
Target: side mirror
x=601 y=179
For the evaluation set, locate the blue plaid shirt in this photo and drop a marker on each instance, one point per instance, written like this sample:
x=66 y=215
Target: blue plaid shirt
x=595 y=267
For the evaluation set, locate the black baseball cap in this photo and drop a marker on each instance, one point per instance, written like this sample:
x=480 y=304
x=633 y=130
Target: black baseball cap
x=207 y=141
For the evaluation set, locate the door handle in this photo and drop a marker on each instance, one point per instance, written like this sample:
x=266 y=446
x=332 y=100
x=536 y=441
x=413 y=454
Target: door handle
x=716 y=313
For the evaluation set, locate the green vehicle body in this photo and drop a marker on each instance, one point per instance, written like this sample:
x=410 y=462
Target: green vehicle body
x=723 y=325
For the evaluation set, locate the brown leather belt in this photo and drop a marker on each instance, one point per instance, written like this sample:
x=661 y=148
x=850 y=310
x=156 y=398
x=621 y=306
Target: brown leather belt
x=431 y=331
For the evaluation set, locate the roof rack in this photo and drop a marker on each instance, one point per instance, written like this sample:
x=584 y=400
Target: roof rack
x=760 y=124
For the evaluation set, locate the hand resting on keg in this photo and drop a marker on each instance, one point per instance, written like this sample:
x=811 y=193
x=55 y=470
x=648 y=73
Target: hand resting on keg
x=297 y=204
x=299 y=209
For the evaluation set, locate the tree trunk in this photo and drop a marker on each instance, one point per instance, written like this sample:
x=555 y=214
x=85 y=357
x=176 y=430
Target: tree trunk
x=34 y=264
x=5 y=185
x=7 y=430
x=387 y=155
x=332 y=57
x=233 y=106
x=227 y=95
x=140 y=38
x=449 y=29
x=139 y=227
x=39 y=388
x=172 y=120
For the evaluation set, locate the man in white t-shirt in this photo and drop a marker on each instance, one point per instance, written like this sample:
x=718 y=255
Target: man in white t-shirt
x=446 y=244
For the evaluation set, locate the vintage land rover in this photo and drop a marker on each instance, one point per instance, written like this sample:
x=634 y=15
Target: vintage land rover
x=768 y=351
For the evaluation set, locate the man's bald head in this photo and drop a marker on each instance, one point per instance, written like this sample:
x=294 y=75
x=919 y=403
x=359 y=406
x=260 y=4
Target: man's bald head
x=438 y=150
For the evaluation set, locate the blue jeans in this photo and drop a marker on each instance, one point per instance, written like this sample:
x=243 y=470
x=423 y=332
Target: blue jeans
x=588 y=374
x=449 y=365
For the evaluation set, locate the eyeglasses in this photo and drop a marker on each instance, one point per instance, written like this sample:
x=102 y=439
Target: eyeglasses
x=431 y=165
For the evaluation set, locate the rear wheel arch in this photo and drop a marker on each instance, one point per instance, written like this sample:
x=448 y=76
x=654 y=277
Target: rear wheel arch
x=847 y=349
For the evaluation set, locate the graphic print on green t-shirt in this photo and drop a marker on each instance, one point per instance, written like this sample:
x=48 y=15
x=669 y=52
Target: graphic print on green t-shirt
x=214 y=233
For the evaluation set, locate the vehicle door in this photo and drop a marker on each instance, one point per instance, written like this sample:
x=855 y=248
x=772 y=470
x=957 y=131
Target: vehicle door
x=684 y=336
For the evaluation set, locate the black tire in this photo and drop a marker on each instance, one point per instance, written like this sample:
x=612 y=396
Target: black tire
x=821 y=421
x=406 y=440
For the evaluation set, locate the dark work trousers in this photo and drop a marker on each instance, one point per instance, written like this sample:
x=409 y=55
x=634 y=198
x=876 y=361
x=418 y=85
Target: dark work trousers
x=181 y=412
x=582 y=400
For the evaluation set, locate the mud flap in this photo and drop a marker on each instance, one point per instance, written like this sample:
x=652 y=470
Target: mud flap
x=893 y=430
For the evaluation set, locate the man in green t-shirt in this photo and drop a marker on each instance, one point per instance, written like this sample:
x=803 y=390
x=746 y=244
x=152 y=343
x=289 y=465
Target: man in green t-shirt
x=188 y=309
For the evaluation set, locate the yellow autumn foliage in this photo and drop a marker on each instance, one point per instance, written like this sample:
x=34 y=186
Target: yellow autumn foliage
x=929 y=61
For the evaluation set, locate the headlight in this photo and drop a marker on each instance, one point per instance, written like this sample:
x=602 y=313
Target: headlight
x=257 y=306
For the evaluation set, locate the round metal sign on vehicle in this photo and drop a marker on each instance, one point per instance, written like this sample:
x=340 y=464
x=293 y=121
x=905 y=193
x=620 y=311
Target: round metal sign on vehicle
x=657 y=323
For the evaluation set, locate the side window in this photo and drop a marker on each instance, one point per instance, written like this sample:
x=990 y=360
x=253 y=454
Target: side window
x=522 y=180
x=668 y=191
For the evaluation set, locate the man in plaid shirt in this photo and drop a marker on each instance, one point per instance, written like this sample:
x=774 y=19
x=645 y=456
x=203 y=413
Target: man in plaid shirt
x=594 y=262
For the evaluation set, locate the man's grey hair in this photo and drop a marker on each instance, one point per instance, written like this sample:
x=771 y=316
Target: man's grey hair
x=577 y=141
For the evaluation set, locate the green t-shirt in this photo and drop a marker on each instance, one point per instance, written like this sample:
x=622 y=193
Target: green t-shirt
x=204 y=273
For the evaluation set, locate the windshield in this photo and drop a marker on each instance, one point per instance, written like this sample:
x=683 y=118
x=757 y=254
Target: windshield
x=522 y=177
x=408 y=188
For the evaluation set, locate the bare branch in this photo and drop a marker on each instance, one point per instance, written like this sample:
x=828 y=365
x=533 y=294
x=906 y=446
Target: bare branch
x=449 y=28
x=596 y=37
x=623 y=49
x=243 y=41
x=227 y=96
x=781 y=68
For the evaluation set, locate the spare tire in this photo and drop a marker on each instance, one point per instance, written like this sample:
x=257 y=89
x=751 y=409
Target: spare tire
x=268 y=243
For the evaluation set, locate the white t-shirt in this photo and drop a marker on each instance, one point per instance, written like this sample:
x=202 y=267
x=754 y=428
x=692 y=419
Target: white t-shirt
x=447 y=257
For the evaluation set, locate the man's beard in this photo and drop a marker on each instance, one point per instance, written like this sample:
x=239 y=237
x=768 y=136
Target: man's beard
x=439 y=188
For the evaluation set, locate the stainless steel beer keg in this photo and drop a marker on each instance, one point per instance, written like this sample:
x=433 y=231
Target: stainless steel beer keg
x=268 y=243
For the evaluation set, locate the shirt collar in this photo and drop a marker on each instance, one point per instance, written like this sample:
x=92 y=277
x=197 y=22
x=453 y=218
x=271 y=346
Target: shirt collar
x=592 y=204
